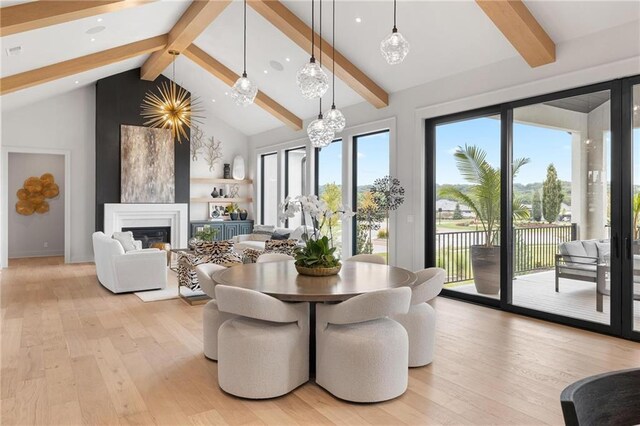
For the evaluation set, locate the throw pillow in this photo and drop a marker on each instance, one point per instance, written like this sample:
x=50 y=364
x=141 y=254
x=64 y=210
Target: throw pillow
x=604 y=252
x=280 y=235
x=125 y=239
x=251 y=255
x=261 y=232
x=213 y=247
x=280 y=246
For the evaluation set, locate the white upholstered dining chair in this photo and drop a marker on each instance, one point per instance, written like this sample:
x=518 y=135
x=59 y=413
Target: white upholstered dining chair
x=263 y=351
x=273 y=257
x=212 y=318
x=420 y=320
x=361 y=354
x=368 y=258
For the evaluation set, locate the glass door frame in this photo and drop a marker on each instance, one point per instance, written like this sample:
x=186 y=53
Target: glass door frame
x=627 y=190
x=621 y=309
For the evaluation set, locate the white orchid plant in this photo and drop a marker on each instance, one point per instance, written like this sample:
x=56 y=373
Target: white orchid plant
x=319 y=212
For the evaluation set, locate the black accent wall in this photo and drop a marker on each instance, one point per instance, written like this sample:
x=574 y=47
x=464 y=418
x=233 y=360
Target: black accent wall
x=118 y=100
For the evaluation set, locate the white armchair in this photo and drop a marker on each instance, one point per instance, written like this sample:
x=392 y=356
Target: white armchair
x=361 y=354
x=420 y=321
x=264 y=350
x=135 y=270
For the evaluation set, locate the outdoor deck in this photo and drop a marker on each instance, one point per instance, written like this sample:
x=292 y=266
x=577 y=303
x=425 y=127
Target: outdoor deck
x=576 y=299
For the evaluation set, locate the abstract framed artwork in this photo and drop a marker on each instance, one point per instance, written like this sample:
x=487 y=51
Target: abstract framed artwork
x=147 y=165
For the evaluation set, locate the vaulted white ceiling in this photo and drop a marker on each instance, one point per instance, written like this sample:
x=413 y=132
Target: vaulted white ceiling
x=447 y=37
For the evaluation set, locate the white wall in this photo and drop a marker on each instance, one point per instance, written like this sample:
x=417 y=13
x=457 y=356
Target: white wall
x=66 y=123
x=504 y=81
x=233 y=143
x=37 y=234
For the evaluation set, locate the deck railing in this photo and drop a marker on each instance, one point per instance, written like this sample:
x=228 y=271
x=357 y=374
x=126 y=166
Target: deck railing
x=534 y=249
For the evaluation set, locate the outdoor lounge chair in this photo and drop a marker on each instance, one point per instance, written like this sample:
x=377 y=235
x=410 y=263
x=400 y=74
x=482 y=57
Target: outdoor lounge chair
x=588 y=260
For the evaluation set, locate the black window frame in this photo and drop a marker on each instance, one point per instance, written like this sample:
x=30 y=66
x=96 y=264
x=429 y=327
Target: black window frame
x=621 y=308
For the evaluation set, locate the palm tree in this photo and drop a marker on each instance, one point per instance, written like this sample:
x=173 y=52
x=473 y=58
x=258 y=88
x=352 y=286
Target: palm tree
x=483 y=197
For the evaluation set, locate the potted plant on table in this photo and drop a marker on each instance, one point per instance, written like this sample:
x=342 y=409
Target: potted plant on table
x=317 y=256
x=483 y=198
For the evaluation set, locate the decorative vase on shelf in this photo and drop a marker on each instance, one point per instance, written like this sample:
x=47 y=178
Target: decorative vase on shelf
x=238 y=168
x=215 y=193
x=227 y=171
x=244 y=214
x=233 y=215
x=221 y=193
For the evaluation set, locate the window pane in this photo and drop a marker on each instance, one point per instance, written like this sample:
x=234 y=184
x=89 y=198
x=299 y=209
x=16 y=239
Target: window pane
x=371 y=162
x=296 y=172
x=269 y=189
x=562 y=211
x=329 y=185
x=468 y=207
x=636 y=207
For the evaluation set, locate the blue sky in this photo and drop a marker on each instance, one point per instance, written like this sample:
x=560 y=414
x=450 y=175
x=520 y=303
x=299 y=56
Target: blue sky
x=373 y=160
x=541 y=145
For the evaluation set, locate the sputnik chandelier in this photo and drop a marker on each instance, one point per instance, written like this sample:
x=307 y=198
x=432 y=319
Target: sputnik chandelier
x=172 y=108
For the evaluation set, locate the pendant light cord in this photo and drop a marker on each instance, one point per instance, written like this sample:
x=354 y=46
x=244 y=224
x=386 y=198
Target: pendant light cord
x=244 y=72
x=313 y=31
x=320 y=51
x=394 y=15
x=333 y=57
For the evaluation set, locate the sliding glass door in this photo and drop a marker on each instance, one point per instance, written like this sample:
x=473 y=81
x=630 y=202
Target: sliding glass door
x=533 y=206
x=561 y=198
x=466 y=232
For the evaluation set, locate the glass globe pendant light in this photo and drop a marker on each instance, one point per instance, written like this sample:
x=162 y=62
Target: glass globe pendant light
x=244 y=91
x=334 y=117
x=311 y=78
x=394 y=47
x=319 y=132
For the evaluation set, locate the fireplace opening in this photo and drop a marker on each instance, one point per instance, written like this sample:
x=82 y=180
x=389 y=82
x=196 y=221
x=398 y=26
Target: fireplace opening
x=151 y=234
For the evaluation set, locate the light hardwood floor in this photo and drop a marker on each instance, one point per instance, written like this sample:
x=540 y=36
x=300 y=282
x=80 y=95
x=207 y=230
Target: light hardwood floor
x=73 y=353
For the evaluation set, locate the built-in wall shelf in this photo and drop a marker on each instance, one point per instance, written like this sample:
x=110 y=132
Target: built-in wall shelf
x=222 y=181
x=221 y=200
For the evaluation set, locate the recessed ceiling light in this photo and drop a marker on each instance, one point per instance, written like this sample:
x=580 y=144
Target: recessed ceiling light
x=266 y=71
x=226 y=93
x=99 y=19
x=275 y=65
x=358 y=20
x=96 y=30
x=213 y=100
x=13 y=51
x=76 y=82
x=93 y=39
x=287 y=59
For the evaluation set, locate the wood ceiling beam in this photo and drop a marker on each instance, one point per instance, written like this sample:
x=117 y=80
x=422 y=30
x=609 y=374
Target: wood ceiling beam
x=294 y=28
x=191 y=24
x=42 y=75
x=39 y=14
x=229 y=77
x=522 y=30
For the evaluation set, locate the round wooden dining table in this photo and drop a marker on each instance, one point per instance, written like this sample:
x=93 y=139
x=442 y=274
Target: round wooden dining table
x=282 y=281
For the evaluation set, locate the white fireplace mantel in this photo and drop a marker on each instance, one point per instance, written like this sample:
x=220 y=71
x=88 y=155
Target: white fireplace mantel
x=175 y=216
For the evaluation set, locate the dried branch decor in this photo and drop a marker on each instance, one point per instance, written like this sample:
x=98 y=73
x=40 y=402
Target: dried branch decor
x=197 y=142
x=213 y=152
